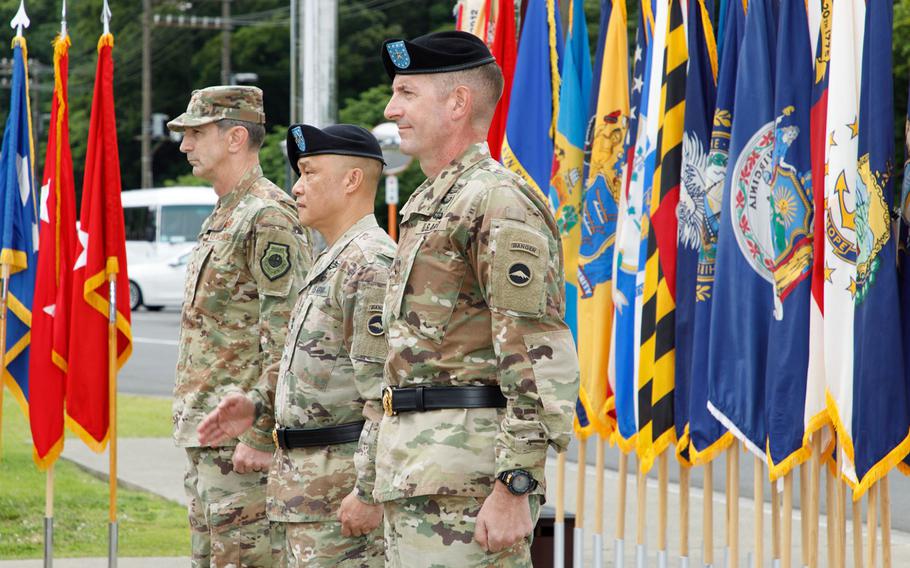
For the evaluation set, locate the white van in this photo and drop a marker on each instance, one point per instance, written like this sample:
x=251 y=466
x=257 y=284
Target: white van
x=161 y=227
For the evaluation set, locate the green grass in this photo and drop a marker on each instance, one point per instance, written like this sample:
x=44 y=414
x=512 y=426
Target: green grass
x=149 y=525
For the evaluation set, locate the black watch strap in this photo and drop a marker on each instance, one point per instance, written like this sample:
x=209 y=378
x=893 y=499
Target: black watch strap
x=518 y=481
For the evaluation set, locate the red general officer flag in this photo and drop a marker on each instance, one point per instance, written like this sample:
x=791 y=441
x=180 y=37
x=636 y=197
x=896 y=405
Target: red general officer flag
x=101 y=252
x=53 y=288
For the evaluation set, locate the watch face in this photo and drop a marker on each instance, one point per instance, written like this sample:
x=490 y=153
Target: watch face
x=520 y=483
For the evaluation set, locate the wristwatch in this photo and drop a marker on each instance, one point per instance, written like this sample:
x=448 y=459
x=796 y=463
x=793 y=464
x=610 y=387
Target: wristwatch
x=518 y=481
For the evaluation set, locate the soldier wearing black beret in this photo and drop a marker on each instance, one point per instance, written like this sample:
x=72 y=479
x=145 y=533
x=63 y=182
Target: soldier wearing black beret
x=482 y=374
x=324 y=395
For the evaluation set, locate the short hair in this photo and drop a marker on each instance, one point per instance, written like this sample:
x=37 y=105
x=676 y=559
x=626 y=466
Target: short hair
x=485 y=81
x=255 y=131
x=372 y=170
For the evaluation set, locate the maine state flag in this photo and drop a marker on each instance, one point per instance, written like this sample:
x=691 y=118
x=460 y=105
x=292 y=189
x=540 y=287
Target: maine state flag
x=18 y=225
x=743 y=286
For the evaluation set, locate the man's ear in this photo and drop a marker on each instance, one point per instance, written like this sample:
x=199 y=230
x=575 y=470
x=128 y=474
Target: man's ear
x=238 y=138
x=460 y=101
x=353 y=180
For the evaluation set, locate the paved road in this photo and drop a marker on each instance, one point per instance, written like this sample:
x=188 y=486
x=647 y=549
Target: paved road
x=150 y=371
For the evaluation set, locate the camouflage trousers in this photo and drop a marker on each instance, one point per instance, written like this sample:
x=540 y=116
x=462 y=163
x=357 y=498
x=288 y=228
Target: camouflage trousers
x=228 y=525
x=437 y=531
x=320 y=545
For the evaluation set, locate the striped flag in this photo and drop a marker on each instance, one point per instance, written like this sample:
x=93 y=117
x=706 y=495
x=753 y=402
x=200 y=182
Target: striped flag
x=656 y=372
x=626 y=292
x=606 y=135
x=708 y=436
x=791 y=241
x=701 y=92
x=50 y=317
x=743 y=285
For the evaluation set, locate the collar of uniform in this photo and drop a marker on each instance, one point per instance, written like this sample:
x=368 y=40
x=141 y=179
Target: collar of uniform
x=322 y=263
x=227 y=202
x=425 y=199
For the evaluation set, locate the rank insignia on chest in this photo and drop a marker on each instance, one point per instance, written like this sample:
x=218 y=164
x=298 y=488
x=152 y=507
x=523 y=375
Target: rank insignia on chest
x=519 y=274
x=275 y=261
x=374 y=325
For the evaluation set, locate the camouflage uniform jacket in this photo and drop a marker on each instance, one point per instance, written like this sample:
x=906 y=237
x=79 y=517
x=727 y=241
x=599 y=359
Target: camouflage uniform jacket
x=331 y=374
x=476 y=296
x=241 y=282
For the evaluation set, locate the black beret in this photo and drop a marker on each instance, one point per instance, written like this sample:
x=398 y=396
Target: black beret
x=340 y=139
x=440 y=52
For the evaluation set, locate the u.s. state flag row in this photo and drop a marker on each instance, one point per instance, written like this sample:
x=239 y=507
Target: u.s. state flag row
x=733 y=267
x=56 y=346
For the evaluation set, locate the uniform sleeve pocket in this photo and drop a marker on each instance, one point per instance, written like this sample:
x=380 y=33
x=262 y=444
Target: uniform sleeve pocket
x=194 y=270
x=519 y=264
x=369 y=340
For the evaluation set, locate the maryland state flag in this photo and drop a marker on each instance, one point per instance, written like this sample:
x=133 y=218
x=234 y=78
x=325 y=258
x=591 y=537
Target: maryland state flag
x=658 y=328
x=101 y=252
x=18 y=226
x=57 y=233
x=743 y=296
x=701 y=92
x=879 y=436
x=791 y=243
x=527 y=148
x=707 y=436
x=604 y=141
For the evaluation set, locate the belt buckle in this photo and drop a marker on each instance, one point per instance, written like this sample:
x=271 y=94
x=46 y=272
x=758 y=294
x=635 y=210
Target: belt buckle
x=275 y=436
x=387 y=401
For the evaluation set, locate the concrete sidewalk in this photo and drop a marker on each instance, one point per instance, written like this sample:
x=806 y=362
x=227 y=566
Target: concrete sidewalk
x=156 y=465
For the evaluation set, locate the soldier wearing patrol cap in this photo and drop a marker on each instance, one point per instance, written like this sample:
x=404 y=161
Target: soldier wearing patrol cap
x=326 y=400
x=242 y=280
x=482 y=374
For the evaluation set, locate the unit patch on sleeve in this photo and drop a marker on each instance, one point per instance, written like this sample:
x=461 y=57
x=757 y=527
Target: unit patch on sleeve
x=275 y=261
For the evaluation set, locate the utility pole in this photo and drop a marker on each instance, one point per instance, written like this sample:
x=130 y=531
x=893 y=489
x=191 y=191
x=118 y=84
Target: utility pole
x=146 y=157
x=317 y=56
x=226 y=42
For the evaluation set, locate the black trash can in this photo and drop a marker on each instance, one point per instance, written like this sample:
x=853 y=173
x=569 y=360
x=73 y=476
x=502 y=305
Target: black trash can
x=544 y=539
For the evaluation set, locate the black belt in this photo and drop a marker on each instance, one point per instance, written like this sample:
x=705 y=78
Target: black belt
x=419 y=399
x=290 y=438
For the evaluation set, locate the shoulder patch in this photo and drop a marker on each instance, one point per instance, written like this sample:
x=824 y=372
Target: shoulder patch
x=275 y=261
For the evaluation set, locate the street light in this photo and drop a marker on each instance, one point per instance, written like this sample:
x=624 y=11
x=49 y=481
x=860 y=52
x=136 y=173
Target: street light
x=396 y=162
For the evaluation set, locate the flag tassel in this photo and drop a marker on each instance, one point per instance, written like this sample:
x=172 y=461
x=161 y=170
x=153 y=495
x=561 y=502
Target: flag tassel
x=708 y=515
x=112 y=407
x=599 y=505
x=559 y=522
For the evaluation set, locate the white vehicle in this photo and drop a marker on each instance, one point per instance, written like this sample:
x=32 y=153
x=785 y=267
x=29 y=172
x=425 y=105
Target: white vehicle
x=162 y=226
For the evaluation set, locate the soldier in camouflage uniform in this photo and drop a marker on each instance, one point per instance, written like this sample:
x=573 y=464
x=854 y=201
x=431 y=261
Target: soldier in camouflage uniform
x=241 y=283
x=326 y=401
x=482 y=373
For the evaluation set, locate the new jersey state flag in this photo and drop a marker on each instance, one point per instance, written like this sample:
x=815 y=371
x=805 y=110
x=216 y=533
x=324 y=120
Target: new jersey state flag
x=18 y=226
x=743 y=280
x=707 y=436
x=101 y=252
x=50 y=317
x=605 y=139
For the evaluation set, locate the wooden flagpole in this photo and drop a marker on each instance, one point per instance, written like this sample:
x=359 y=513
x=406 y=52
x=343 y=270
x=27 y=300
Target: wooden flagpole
x=728 y=513
x=885 y=506
x=857 y=533
x=708 y=515
x=872 y=524
x=640 y=544
x=112 y=426
x=684 y=514
x=814 y=494
x=4 y=273
x=787 y=541
x=618 y=552
x=804 y=508
x=578 y=546
x=663 y=483
x=832 y=518
x=758 y=486
x=775 y=525
x=559 y=522
x=49 y=517
x=841 y=496
x=734 y=506
x=599 y=505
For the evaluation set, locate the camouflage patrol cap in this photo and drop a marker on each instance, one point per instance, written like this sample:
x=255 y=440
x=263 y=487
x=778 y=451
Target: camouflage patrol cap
x=218 y=103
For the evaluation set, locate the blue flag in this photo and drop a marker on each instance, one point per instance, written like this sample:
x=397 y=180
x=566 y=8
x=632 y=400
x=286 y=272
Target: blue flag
x=791 y=239
x=743 y=294
x=880 y=418
x=527 y=148
x=701 y=92
x=18 y=225
x=707 y=436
